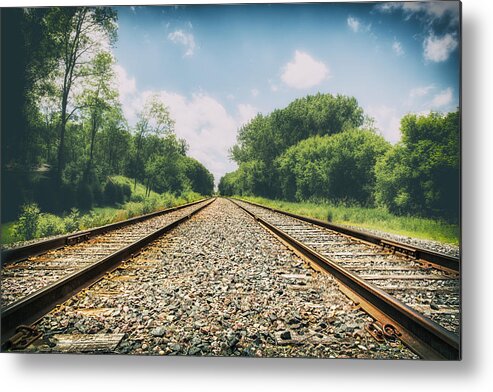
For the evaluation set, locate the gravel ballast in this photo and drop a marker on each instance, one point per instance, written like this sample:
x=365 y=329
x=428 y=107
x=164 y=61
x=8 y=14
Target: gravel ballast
x=218 y=285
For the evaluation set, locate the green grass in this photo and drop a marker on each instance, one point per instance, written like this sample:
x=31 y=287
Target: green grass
x=139 y=191
x=139 y=204
x=7 y=236
x=370 y=218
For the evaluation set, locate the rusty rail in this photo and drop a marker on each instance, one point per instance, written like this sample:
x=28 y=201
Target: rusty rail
x=22 y=252
x=439 y=259
x=29 y=309
x=422 y=335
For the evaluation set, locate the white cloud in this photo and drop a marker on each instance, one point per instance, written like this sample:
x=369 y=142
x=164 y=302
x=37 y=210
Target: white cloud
x=443 y=98
x=206 y=126
x=421 y=91
x=273 y=87
x=245 y=113
x=254 y=92
x=357 y=26
x=439 y=49
x=387 y=121
x=209 y=129
x=185 y=39
x=353 y=23
x=304 y=71
x=125 y=84
x=397 y=48
x=432 y=9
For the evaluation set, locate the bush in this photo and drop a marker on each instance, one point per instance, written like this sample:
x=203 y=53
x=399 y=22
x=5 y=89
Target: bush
x=168 y=200
x=127 y=191
x=50 y=225
x=134 y=209
x=94 y=220
x=85 y=197
x=137 y=198
x=149 y=205
x=71 y=221
x=109 y=193
x=27 y=225
x=119 y=196
x=97 y=192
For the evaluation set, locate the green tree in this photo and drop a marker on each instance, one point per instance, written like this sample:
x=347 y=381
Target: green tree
x=338 y=168
x=265 y=138
x=153 y=120
x=98 y=97
x=78 y=33
x=421 y=174
x=201 y=180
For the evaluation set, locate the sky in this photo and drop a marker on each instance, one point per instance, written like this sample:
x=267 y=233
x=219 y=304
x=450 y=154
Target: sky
x=216 y=66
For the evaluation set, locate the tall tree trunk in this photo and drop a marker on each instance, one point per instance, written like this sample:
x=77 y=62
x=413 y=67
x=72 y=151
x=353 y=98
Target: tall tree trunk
x=94 y=130
x=61 y=145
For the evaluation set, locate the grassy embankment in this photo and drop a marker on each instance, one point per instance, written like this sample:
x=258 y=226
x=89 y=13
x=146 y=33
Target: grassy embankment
x=370 y=218
x=138 y=204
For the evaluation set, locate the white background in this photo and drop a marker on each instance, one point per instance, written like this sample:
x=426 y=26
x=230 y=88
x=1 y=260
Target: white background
x=473 y=373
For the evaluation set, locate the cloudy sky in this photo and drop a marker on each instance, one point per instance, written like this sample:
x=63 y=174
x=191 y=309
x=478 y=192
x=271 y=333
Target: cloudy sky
x=215 y=67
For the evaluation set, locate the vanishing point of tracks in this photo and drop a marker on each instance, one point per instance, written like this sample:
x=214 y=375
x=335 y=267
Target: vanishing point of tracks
x=411 y=294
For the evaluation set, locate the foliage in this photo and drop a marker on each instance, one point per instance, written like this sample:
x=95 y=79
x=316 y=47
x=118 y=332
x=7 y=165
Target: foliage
x=337 y=168
x=371 y=218
x=265 y=138
x=72 y=221
x=49 y=224
x=201 y=180
x=317 y=149
x=421 y=174
x=27 y=224
x=63 y=128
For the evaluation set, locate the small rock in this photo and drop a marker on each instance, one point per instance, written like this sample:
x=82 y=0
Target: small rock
x=286 y=335
x=158 y=332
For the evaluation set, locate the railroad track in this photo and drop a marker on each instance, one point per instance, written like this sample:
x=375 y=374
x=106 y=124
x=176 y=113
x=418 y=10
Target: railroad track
x=217 y=285
x=414 y=293
x=39 y=276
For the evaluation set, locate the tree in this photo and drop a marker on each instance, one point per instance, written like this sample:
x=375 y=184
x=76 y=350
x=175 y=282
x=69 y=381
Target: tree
x=339 y=168
x=154 y=119
x=113 y=150
x=98 y=97
x=265 y=138
x=421 y=174
x=78 y=33
x=27 y=59
x=201 y=180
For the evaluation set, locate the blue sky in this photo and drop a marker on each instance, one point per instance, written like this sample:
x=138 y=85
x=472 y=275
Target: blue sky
x=215 y=67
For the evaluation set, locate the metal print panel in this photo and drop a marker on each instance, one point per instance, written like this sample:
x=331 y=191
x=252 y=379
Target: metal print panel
x=261 y=180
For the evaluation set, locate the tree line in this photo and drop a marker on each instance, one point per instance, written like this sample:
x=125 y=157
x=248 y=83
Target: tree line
x=324 y=148
x=63 y=129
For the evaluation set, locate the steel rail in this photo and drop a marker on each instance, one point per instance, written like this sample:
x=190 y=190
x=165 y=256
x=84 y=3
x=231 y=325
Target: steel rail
x=29 y=309
x=22 y=252
x=422 y=335
x=442 y=260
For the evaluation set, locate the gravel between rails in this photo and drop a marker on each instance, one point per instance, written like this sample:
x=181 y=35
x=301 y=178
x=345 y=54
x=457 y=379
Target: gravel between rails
x=432 y=292
x=219 y=285
x=22 y=278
